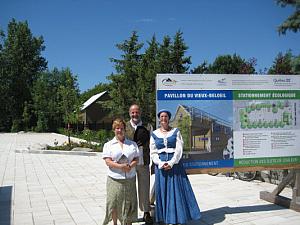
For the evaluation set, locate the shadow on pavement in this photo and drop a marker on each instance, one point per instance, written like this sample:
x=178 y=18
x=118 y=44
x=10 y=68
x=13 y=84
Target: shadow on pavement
x=5 y=205
x=217 y=215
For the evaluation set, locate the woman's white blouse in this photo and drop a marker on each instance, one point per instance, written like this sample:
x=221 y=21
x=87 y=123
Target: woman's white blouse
x=112 y=149
x=177 y=150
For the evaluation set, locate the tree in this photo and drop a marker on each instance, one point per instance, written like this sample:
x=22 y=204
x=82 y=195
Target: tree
x=45 y=103
x=146 y=80
x=26 y=116
x=292 y=23
x=21 y=62
x=228 y=64
x=283 y=64
x=136 y=72
x=68 y=95
x=296 y=65
x=180 y=63
x=55 y=99
x=124 y=83
x=164 y=56
x=202 y=68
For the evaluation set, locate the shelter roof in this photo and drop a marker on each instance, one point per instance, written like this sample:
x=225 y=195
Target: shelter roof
x=198 y=113
x=92 y=99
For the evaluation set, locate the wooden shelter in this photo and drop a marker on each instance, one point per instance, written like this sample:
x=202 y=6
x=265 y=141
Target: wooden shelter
x=94 y=114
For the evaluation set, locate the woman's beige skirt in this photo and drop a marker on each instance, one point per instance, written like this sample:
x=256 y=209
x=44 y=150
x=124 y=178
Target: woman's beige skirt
x=121 y=196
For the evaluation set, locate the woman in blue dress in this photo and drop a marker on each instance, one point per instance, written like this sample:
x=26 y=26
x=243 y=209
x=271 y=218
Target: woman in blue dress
x=174 y=196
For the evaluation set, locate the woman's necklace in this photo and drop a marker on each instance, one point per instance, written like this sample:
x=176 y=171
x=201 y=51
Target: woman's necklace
x=164 y=130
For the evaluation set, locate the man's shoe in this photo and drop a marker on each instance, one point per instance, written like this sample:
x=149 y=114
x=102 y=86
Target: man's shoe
x=147 y=218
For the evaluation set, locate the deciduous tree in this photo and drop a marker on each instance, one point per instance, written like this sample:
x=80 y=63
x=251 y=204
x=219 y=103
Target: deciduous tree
x=21 y=61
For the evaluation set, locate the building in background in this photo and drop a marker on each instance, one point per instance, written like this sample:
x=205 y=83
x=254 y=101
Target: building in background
x=94 y=113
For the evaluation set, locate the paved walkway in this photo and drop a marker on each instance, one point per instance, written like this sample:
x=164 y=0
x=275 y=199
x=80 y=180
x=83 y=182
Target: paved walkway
x=64 y=189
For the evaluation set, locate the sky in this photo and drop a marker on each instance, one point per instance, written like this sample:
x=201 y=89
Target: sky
x=82 y=34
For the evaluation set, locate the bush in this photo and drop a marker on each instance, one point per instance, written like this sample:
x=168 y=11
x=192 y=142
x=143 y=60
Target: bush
x=68 y=147
x=91 y=137
x=16 y=126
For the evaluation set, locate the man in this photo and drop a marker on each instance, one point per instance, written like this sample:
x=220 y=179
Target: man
x=136 y=131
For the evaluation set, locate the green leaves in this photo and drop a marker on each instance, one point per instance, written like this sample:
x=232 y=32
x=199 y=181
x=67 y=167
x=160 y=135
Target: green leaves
x=285 y=64
x=21 y=61
x=134 y=81
x=55 y=99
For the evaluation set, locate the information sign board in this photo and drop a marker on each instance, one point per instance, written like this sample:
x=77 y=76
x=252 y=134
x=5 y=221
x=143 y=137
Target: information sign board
x=234 y=121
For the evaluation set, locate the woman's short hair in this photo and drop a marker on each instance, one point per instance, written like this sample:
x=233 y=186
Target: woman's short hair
x=118 y=122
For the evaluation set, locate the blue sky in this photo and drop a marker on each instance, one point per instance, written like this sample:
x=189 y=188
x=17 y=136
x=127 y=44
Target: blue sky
x=82 y=34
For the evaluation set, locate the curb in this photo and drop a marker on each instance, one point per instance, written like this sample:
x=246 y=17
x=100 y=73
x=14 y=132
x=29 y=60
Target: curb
x=58 y=152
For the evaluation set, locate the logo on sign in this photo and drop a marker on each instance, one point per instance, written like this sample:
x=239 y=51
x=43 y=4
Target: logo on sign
x=168 y=82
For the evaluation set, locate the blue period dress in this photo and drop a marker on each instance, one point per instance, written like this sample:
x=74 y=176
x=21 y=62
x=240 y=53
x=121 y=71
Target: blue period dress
x=175 y=199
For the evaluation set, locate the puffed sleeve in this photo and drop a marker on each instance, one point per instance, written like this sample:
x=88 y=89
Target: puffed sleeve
x=178 y=150
x=106 y=151
x=154 y=153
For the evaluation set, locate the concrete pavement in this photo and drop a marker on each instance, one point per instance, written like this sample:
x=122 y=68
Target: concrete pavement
x=64 y=189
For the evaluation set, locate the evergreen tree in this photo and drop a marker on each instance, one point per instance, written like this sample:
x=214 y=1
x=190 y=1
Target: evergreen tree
x=124 y=83
x=164 y=56
x=292 y=23
x=146 y=81
x=180 y=63
x=134 y=81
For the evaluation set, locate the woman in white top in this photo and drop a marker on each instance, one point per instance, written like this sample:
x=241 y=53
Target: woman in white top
x=174 y=196
x=121 y=157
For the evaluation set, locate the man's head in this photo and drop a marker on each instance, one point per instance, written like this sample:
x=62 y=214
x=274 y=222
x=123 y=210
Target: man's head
x=135 y=113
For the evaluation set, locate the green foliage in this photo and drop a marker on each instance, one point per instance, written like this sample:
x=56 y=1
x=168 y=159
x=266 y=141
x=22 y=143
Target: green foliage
x=284 y=64
x=292 y=23
x=26 y=116
x=94 y=139
x=201 y=69
x=180 y=63
x=71 y=145
x=134 y=81
x=42 y=122
x=164 y=56
x=124 y=83
x=21 y=61
x=68 y=94
x=16 y=125
x=146 y=82
x=32 y=97
x=296 y=65
x=227 y=64
x=55 y=96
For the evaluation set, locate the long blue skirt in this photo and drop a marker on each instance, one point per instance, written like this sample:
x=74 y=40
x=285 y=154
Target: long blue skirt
x=175 y=199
